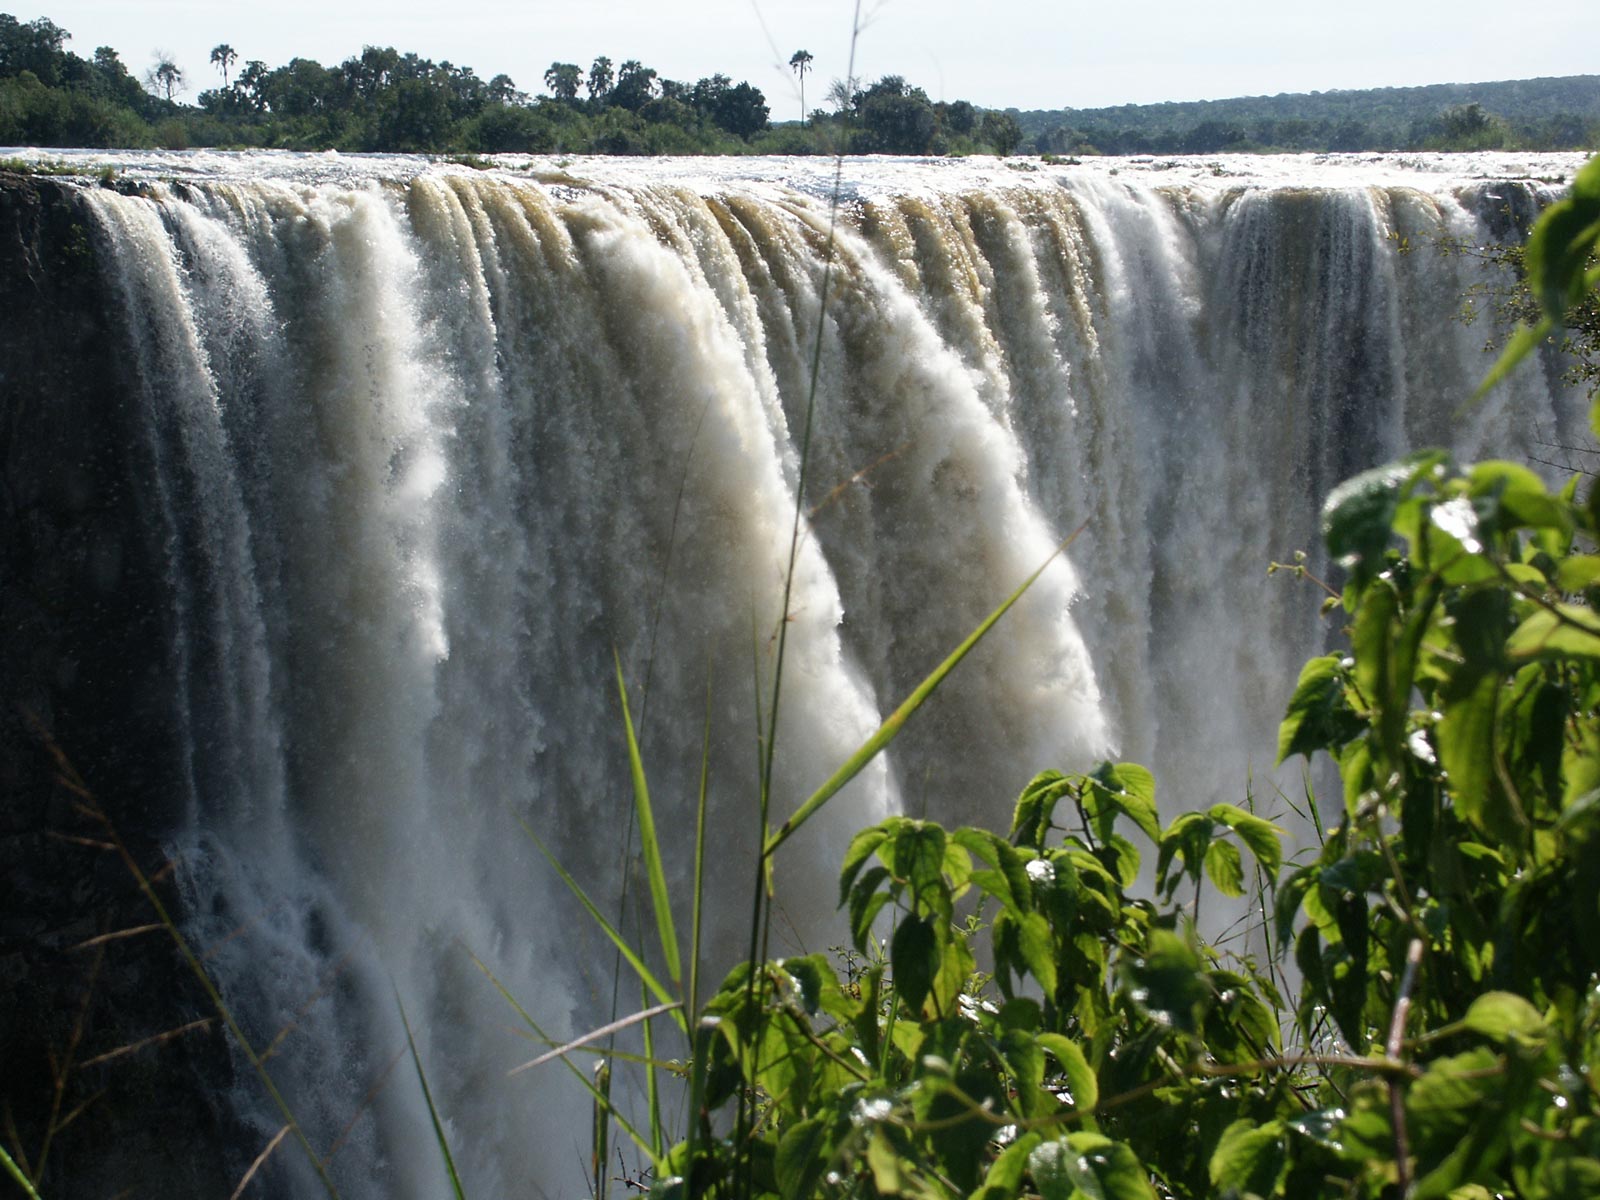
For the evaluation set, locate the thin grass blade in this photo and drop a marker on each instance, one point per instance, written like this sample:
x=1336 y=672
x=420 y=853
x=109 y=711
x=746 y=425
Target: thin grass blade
x=599 y=1098
x=595 y=1035
x=649 y=843
x=896 y=720
x=700 y=858
x=621 y=943
x=653 y=1089
x=600 y=1134
x=210 y=988
x=433 y=1113
x=15 y=1172
x=261 y=1161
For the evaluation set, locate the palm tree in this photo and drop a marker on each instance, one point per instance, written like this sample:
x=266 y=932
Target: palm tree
x=164 y=77
x=223 y=57
x=601 y=77
x=564 y=80
x=800 y=63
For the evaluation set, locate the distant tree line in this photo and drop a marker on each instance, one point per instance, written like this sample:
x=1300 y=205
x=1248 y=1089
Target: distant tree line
x=1528 y=114
x=383 y=100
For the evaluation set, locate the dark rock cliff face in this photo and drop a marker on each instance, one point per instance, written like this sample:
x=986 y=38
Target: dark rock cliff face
x=85 y=693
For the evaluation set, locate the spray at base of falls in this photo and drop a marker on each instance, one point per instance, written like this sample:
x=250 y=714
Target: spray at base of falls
x=427 y=444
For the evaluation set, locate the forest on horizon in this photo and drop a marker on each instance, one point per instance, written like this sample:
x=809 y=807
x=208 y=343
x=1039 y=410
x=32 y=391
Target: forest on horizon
x=383 y=100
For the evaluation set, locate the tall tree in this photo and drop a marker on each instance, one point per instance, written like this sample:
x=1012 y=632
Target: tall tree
x=223 y=57
x=800 y=63
x=564 y=80
x=635 y=85
x=600 y=78
x=165 y=76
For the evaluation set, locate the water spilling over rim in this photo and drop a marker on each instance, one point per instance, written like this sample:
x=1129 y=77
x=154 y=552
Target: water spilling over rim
x=861 y=177
x=422 y=444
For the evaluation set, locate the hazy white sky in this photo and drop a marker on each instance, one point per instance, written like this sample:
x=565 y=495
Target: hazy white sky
x=997 y=53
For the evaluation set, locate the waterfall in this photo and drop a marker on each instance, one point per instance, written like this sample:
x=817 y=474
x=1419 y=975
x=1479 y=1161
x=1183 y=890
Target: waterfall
x=429 y=446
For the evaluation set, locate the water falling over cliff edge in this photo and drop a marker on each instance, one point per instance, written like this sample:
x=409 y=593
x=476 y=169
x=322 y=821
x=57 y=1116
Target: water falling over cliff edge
x=333 y=486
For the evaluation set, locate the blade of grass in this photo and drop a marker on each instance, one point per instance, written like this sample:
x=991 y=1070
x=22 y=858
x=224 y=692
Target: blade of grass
x=595 y=1035
x=261 y=1161
x=539 y=1032
x=600 y=1136
x=896 y=720
x=621 y=943
x=15 y=1172
x=652 y=1082
x=67 y=776
x=699 y=1048
x=427 y=1096
x=214 y=996
x=700 y=857
x=649 y=843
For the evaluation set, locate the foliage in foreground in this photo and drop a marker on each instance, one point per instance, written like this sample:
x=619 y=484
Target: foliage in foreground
x=1442 y=1038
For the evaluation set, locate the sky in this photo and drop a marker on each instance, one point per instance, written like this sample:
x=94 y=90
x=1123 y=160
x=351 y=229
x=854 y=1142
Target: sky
x=995 y=53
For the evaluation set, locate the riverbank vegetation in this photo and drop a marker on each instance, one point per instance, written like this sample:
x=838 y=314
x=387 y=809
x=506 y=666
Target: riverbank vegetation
x=383 y=100
x=1522 y=114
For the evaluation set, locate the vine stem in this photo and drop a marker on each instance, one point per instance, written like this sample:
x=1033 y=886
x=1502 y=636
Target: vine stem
x=1397 y=1093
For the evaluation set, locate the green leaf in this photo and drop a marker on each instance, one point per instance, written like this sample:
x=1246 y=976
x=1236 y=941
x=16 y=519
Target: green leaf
x=1520 y=497
x=1168 y=980
x=1035 y=806
x=1580 y=768
x=1571 y=1179
x=1132 y=789
x=813 y=974
x=1358 y=516
x=1318 y=696
x=861 y=848
x=914 y=955
x=1004 y=1178
x=1036 y=944
x=1261 y=835
x=1465 y=735
x=1558 y=249
x=1446 y=1096
x=1567 y=631
x=1577 y=572
x=1519 y=345
x=804 y=1153
x=1502 y=1015
x=1320 y=1127
x=1089 y=1166
x=1081 y=1081
x=1250 y=1158
x=886 y=1164
x=866 y=901
x=1224 y=868
x=918 y=857
x=1188 y=835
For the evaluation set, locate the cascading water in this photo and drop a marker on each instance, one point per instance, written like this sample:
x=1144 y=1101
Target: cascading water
x=428 y=445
